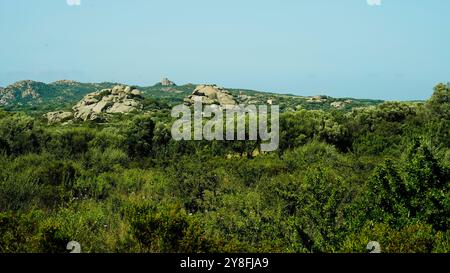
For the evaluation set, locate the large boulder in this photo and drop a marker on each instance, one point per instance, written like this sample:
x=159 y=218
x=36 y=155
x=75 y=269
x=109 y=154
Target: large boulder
x=58 y=117
x=121 y=108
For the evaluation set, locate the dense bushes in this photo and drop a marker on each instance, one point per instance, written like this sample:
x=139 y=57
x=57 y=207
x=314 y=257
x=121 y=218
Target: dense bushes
x=167 y=229
x=338 y=181
x=35 y=180
x=417 y=192
x=18 y=135
x=139 y=136
x=415 y=238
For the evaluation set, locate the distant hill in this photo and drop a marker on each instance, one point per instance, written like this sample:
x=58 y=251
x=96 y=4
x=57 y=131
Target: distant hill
x=32 y=96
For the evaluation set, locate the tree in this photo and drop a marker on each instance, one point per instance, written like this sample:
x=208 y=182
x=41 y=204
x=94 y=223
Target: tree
x=167 y=230
x=18 y=135
x=139 y=136
x=418 y=190
x=386 y=200
x=297 y=128
x=428 y=185
x=439 y=103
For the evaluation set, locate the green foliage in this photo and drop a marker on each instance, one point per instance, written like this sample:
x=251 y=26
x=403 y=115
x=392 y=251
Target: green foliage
x=387 y=196
x=428 y=186
x=416 y=238
x=167 y=230
x=70 y=142
x=139 y=136
x=340 y=179
x=52 y=239
x=420 y=192
x=18 y=134
x=297 y=128
x=11 y=236
x=315 y=200
x=35 y=180
x=439 y=103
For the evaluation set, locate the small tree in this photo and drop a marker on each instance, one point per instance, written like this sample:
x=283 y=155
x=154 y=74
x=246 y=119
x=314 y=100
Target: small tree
x=139 y=136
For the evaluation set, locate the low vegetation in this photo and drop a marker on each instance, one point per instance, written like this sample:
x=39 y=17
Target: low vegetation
x=340 y=179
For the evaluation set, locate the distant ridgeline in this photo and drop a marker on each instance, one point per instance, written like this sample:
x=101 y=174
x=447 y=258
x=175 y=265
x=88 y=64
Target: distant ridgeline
x=38 y=97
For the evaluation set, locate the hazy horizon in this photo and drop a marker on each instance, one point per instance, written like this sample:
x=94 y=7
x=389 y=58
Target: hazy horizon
x=280 y=92
x=394 y=51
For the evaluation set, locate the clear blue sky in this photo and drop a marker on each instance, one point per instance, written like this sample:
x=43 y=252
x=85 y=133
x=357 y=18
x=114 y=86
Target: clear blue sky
x=342 y=48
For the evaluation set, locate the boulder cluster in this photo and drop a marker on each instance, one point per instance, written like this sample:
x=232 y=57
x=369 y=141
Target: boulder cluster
x=317 y=99
x=119 y=99
x=167 y=82
x=211 y=94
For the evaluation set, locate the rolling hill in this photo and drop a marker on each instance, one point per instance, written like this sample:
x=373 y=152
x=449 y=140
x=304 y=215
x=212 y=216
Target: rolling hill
x=38 y=97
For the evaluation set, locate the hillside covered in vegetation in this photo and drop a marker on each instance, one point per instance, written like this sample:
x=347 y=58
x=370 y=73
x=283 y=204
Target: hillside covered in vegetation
x=347 y=172
x=37 y=97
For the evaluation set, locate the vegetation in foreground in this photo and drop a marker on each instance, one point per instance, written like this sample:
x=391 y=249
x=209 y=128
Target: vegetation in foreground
x=339 y=180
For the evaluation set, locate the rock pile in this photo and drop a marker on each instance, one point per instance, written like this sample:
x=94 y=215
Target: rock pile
x=58 y=117
x=338 y=104
x=167 y=82
x=119 y=99
x=341 y=104
x=211 y=94
x=317 y=99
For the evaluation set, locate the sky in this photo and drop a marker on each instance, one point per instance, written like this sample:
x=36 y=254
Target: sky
x=378 y=49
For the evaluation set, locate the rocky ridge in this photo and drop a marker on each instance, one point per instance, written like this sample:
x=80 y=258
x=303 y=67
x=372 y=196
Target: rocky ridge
x=59 y=93
x=67 y=82
x=23 y=90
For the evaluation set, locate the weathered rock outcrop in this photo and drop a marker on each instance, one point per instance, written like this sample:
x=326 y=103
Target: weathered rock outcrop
x=58 y=117
x=23 y=92
x=338 y=104
x=67 y=82
x=119 y=99
x=341 y=104
x=167 y=82
x=317 y=99
x=211 y=94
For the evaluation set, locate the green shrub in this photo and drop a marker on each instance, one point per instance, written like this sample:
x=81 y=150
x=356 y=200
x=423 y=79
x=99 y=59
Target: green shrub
x=167 y=230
